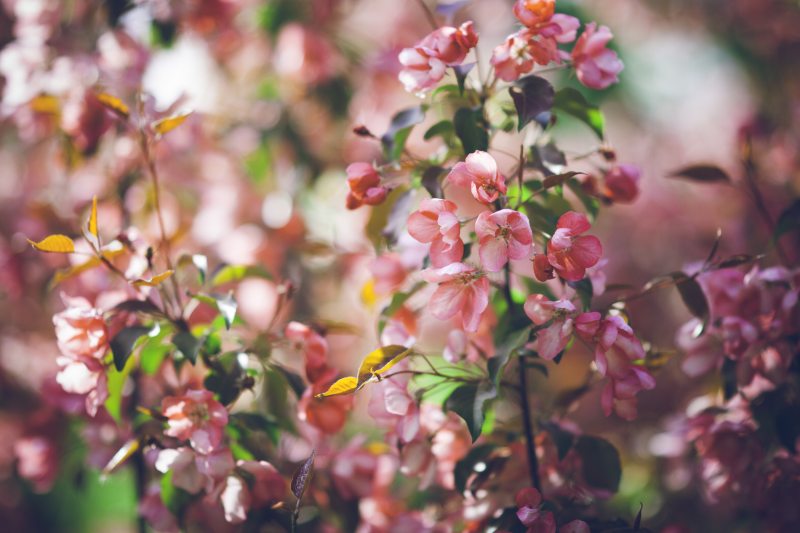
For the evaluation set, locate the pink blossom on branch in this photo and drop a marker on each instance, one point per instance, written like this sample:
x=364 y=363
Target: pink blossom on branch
x=502 y=236
x=479 y=172
x=424 y=65
x=531 y=13
x=551 y=340
x=365 y=186
x=81 y=330
x=571 y=253
x=436 y=223
x=463 y=290
x=597 y=67
x=197 y=417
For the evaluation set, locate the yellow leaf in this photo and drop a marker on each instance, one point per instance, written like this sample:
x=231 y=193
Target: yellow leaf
x=45 y=103
x=165 y=125
x=346 y=385
x=123 y=454
x=155 y=281
x=93 y=217
x=114 y=104
x=59 y=244
x=110 y=252
x=381 y=360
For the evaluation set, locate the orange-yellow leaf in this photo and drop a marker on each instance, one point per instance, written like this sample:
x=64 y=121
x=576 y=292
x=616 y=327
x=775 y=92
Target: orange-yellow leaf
x=110 y=252
x=45 y=103
x=59 y=244
x=93 y=217
x=155 y=281
x=379 y=361
x=346 y=385
x=165 y=125
x=114 y=104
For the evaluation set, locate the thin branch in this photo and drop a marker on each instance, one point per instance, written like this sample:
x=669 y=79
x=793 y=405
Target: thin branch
x=428 y=14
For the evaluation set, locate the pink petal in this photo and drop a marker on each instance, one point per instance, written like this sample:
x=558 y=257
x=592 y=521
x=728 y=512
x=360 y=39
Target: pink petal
x=576 y=222
x=448 y=300
x=493 y=253
x=586 y=250
x=444 y=254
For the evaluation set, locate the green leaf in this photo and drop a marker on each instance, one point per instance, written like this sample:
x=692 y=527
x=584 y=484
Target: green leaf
x=533 y=97
x=472 y=135
x=187 y=344
x=496 y=365
x=231 y=273
x=123 y=342
x=116 y=383
x=571 y=101
x=788 y=221
x=443 y=128
x=600 y=462
x=469 y=402
x=226 y=305
x=394 y=140
x=584 y=290
x=154 y=350
x=294 y=380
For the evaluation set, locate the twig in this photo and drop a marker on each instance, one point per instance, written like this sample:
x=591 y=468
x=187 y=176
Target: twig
x=428 y=14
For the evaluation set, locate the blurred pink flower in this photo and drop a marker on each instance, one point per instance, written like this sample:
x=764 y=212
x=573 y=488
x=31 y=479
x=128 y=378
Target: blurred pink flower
x=365 y=186
x=153 y=510
x=80 y=330
x=597 y=67
x=542 y=269
x=571 y=253
x=622 y=183
x=514 y=57
x=436 y=223
x=353 y=470
x=529 y=512
x=479 y=173
x=313 y=346
x=463 y=290
x=264 y=487
x=197 y=417
x=304 y=56
x=502 y=236
x=327 y=414
x=86 y=377
x=192 y=471
x=37 y=461
x=551 y=340
x=392 y=406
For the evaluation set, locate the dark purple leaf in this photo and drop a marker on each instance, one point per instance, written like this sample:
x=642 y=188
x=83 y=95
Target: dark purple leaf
x=302 y=475
x=788 y=221
x=448 y=9
x=137 y=306
x=397 y=218
x=430 y=180
x=394 y=140
x=123 y=342
x=702 y=173
x=601 y=465
x=532 y=96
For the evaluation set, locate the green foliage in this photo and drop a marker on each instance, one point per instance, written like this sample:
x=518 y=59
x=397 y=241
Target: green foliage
x=572 y=102
x=470 y=129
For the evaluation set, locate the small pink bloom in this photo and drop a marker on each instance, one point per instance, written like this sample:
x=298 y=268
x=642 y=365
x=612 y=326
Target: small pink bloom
x=353 y=470
x=597 y=67
x=389 y=273
x=514 y=57
x=303 y=55
x=562 y=28
x=531 y=13
x=153 y=510
x=327 y=414
x=197 y=417
x=266 y=485
x=194 y=472
x=462 y=290
x=86 y=377
x=576 y=526
x=551 y=340
x=393 y=407
x=479 y=173
x=529 y=512
x=314 y=348
x=436 y=223
x=622 y=183
x=81 y=330
x=738 y=335
x=424 y=65
x=365 y=186
x=503 y=235
x=542 y=269
x=571 y=253
x=37 y=461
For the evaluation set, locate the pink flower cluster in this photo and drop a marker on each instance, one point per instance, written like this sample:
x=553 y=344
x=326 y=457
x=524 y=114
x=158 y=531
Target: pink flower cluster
x=424 y=65
x=365 y=186
x=569 y=253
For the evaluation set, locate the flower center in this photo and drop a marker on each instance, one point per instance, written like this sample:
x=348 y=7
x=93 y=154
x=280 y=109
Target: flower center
x=198 y=414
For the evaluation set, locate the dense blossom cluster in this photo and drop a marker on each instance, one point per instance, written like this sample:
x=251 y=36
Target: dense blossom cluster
x=200 y=352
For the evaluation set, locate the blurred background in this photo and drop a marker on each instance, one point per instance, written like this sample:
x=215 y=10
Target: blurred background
x=256 y=176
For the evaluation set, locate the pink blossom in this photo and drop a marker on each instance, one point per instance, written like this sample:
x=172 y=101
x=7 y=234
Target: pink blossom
x=479 y=173
x=503 y=235
x=571 y=253
x=536 y=44
x=314 y=348
x=37 y=461
x=551 y=340
x=365 y=186
x=303 y=55
x=393 y=407
x=622 y=183
x=531 y=13
x=542 y=269
x=737 y=336
x=425 y=64
x=264 y=487
x=450 y=441
x=80 y=330
x=514 y=57
x=327 y=414
x=389 y=272
x=85 y=377
x=576 y=526
x=192 y=471
x=531 y=515
x=435 y=222
x=597 y=67
x=153 y=510
x=463 y=290
x=730 y=455
x=353 y=470
x=197 y=417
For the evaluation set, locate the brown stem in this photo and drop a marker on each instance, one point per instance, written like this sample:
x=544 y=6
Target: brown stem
x=530 y=435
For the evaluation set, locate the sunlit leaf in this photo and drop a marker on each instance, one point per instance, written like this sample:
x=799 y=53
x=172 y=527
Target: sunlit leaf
x=93 y=217
x=571 y=101
x=302 y=476
x=114 y=104
x=347 y=385
x=166 y=125
x=232 y=273
x=469 y=402
x=155 y=281
x=380 y=360
x=123 y=454
x=59 y=244
x=227 y=308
